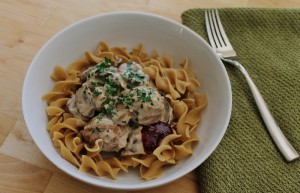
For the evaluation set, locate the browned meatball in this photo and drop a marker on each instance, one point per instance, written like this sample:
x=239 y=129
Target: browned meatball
x=114 y=137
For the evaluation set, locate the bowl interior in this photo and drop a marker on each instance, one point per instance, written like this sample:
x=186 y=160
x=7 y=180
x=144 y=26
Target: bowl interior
x=129 y=29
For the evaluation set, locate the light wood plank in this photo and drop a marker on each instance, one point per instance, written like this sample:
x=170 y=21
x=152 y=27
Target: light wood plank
x=274 y=3
x=20 y=145
x=66 y=184
x=6 y=124
x=19 y=176
x=184 y=184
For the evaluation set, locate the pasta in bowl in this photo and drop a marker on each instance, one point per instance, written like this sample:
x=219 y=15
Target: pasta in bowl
x=125 y=114
x=138 y=107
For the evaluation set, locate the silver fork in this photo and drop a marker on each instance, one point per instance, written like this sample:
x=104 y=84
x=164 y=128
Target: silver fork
x=220 y=43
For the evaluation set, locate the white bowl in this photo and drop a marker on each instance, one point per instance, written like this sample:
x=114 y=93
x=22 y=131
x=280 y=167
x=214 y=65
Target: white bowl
x=130 y=29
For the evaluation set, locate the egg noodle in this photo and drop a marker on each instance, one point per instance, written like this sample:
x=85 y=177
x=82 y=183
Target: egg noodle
x=178 y=85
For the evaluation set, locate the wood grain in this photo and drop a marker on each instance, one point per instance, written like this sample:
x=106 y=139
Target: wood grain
x=19 y=176
x=25 y=26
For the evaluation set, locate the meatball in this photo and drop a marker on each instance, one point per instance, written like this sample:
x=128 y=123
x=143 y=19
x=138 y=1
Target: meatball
x=81 y=105
x=148 y=106
x=121 y=116
x=167 y=115
x=114 y=137
x=133 y=74
x=135 y=145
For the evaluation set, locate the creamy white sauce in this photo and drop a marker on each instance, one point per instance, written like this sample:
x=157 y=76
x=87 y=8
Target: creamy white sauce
x=119 y=97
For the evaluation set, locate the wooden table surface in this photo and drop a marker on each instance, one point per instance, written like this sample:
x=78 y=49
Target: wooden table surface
x=25 y=26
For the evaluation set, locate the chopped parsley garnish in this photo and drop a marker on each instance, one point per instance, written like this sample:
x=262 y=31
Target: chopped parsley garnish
x=144 y=95
x=97 y=93
x=108 y=101
x=103 y=81
x=98 y=129
x=108 y=110
x=111 y=89
x=133 y=76
x=108 y=107
x=128 y=100
x=100 y=116
x=100 y=68
x=97 y=83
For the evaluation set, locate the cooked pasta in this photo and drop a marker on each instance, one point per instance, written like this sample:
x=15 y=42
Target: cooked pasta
x=114 y=109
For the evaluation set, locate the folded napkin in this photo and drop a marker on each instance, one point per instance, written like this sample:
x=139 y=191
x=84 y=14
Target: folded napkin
x=267 y=42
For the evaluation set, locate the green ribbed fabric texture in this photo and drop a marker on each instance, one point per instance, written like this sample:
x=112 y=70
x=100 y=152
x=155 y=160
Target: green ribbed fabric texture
x=267 y=42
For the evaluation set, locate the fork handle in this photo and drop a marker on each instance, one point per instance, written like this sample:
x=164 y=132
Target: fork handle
x=287 y=150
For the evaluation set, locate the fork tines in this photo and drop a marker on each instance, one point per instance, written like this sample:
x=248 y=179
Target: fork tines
x=216 y=34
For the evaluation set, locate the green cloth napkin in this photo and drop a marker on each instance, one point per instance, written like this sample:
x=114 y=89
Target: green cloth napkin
x=267 y=42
